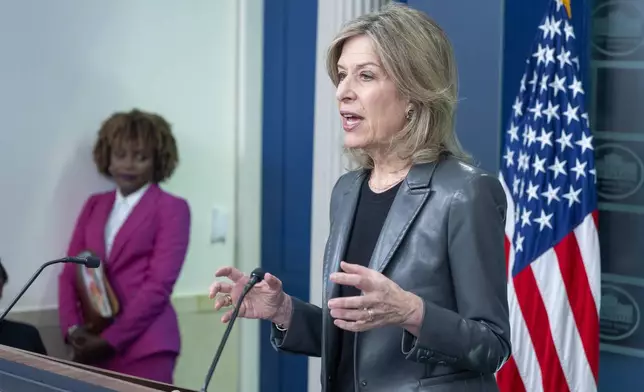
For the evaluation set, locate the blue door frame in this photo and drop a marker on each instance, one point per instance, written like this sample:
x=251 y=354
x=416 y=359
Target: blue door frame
x=290 y=30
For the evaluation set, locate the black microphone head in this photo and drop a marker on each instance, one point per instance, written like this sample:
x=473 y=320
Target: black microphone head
x=92 y=262
x=87 y=258
x=257 y=274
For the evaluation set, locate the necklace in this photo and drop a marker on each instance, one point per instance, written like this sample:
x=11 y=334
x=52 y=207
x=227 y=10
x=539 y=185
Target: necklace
x=386 y=187
x=402 y=173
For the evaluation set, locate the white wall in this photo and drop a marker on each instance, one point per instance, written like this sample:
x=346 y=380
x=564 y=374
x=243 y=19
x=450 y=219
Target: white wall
x=66 y=65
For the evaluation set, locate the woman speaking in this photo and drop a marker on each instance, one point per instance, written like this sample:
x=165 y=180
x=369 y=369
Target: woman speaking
x=414 y=267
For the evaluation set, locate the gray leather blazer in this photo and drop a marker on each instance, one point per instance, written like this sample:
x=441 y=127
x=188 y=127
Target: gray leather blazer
x=444 y=241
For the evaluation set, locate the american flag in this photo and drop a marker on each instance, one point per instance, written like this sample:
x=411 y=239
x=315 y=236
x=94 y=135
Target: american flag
x=552 y=245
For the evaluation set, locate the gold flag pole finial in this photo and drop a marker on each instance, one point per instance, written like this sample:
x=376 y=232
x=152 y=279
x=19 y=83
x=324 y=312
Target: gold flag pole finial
x=566 y=4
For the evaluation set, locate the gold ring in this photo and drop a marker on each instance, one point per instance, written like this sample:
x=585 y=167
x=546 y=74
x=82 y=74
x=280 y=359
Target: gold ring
x=228 y=300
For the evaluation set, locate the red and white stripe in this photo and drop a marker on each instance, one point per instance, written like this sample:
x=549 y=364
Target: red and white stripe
x=554 y=314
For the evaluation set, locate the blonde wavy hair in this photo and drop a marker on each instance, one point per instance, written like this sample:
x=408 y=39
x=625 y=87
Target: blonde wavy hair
x=418 y=57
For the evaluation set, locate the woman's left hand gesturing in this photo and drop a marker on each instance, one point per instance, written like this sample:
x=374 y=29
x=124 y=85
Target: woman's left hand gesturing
x=383 y=302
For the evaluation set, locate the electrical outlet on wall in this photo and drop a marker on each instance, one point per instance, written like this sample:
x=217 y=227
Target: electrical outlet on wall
x=218 y=226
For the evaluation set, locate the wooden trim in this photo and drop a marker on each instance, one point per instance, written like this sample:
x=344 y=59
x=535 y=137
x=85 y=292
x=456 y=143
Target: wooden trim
x=75 y=372
x=157 y=386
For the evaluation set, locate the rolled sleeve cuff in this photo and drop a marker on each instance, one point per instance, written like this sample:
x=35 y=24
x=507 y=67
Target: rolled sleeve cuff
x=417 y=348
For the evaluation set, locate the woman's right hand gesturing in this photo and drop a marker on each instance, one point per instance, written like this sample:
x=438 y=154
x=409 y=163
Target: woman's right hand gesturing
x=266 y=300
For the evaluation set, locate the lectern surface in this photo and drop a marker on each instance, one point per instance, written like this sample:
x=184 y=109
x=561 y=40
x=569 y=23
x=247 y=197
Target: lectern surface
x=16 y=377
x=21 y=371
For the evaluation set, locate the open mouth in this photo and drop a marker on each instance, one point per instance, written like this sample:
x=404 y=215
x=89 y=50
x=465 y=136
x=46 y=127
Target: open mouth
x=350 y=121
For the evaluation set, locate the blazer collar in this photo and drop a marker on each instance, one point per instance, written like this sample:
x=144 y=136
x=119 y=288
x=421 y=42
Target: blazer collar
x=133 y=198
x=411 y=196
x=141 y=211
x=340 y=230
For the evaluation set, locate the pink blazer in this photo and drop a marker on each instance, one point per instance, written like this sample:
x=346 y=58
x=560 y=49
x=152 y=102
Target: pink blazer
x=146 y=259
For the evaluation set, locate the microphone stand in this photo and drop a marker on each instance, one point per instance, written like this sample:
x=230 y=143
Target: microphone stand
x=25 y=287
x=89 y=262
x=224 y=339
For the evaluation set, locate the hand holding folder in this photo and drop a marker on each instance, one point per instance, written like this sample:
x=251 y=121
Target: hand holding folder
x=99 y=304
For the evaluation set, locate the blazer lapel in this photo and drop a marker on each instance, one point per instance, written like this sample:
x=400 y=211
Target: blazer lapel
x=339 y=234
x=411 y=196
x=139 y=214
x=96 y=234
x=334 y=252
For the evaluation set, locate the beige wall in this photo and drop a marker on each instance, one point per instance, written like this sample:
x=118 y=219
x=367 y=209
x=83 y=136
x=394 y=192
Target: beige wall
x=201 y=332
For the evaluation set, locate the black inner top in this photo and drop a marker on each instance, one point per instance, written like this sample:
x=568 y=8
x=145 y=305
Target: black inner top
x=370 y=215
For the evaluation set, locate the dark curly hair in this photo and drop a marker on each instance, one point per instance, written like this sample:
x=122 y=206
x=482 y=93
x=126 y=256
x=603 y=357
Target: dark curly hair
x=150 y=128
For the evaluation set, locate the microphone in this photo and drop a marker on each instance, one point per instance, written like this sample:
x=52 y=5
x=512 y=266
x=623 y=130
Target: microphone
x=88 y=261
x=255 y=277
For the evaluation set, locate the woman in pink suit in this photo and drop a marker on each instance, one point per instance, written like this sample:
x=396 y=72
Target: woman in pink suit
x=141 y=234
